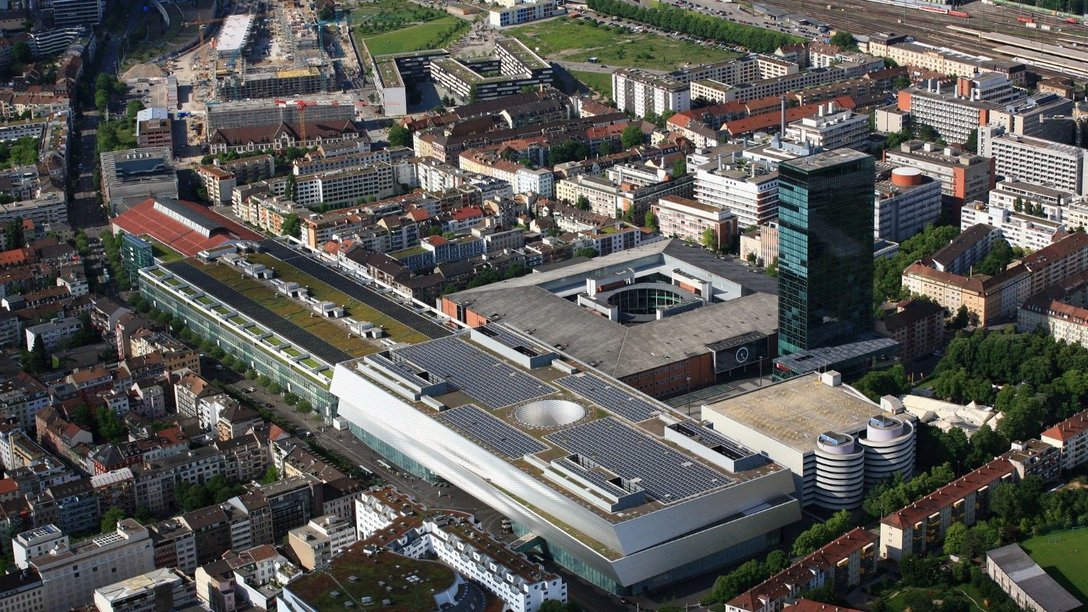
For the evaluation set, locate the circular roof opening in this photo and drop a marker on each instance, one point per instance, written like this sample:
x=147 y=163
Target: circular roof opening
x=549 y=413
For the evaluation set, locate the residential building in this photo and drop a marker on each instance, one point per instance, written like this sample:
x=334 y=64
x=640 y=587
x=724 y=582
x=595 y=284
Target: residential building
x=832 y=129
x=761 y=242
x=522 y=12
x=159 y=589
x=1026 y=583
x=965 y=250
x=1019 y=230
x=825 y=251
x=840 y=565
x=174 y=545
x=921 y=525
x=316 y=543
x=1071 y=438
x=218 y=183
x=1034 y=160
x=953 y=117
x=624 y=193
x=918 y=327
x=689 y=220
x=76 y=13
x=70 y=574
x=53 y=333
x=211 y=532
x=22 y=592
x=905 y=204
x=346 y=186
x=291 y=503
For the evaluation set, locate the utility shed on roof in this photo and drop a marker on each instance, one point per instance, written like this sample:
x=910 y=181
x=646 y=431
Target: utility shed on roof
x=1028 y=585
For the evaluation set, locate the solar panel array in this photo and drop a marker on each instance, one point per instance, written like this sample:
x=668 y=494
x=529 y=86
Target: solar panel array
x=610 y=397
x=593 y=476
x=710 y=439
x=486 y=379
x=358 y=292
x=664 y=473
x=504 y=336
x=279 y=325
x=400 y=369
x=491 y=431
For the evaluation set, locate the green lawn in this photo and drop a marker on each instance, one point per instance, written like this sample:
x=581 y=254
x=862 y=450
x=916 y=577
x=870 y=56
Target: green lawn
x=412 y=38
x=356 y=576
x=1059 y=554
x=898 y=602
x=575 y=40
x=163 y=252
x=601 y=82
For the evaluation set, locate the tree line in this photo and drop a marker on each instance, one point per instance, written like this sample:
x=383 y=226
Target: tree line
x=703 y=26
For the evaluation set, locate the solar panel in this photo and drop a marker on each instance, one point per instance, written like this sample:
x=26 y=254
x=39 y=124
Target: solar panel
x=666 y=475
x=610 y=397
x=484 y=378
x=399 y=369
x=358 y=292
x=280 y=326
x=491 y=431
x=712 y=439
x=593 y=476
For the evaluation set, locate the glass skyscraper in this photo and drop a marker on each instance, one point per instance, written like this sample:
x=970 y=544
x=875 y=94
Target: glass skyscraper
x=825 y=265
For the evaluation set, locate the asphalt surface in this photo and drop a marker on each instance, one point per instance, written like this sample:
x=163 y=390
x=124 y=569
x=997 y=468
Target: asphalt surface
x=349 y=286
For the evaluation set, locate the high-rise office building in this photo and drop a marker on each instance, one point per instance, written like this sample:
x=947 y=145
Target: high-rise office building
x=825 y=266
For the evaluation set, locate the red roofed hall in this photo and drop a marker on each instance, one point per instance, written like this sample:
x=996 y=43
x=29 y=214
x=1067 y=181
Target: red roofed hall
x=186 y=227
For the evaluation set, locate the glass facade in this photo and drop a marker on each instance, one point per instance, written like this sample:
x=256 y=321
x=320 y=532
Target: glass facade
x=237 y=344
x=136 y=253
x=825 y=266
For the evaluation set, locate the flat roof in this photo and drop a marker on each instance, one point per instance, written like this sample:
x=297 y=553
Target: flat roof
x=235 y=32
x=826 y=159
x=796 y=411
x=1036 y=583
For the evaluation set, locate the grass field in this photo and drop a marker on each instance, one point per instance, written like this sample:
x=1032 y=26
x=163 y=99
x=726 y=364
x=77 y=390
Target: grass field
x=361 y=312
x=412 y=38
x=1059 y=554
x=601 y=82
x=571 y=40
x=291 y=309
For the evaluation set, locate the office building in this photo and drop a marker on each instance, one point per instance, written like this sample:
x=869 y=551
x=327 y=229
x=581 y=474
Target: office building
x=749 y=193
x=904 y=204
x=522 y=12
x=1034 y=160
x=1018 y=229
x=77 y=13
x=134 y=175
x=964 y=176
x=22 y=592
x=837 y=443
x=953 y=117
x=825 y=274
x=70 y=574
x=1026 y=583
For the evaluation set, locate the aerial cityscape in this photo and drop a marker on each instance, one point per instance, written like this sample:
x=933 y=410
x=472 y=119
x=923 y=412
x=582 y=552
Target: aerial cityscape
x=543 y=305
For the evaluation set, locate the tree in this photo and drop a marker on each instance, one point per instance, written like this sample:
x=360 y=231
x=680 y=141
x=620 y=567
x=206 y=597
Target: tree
x=680 y=167
x=101 y=100
x=399 y=136
x=1015 y=502
x=16 y=238
x=772 y=269
x=134 y=107
x=631 y=136
x=844 y=41
x=972 y=141
x=961 y=319
x=878 y=383
x=582 y=203
x=954 y=538
x=710 y=239
x=589 y=252
x=20 y=53
x=110 y=519
x=292 y=226
x=37 y=360
x=605 y=149
x=270 y=475
x=821 y=533
x=650 y=220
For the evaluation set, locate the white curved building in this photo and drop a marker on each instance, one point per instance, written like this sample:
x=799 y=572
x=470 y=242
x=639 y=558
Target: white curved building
x=572 y=456
x=837 y=443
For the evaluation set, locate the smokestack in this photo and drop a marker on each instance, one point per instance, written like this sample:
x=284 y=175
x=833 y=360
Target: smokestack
x=719 y=162
x=782 y=114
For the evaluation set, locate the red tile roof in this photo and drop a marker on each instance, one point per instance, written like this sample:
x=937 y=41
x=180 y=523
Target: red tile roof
x=950 y=493
x=763 y=121
x=1067 y=429
x=144 y=219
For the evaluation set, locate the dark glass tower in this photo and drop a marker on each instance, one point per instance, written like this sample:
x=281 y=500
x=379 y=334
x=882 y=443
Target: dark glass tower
x=825 y=259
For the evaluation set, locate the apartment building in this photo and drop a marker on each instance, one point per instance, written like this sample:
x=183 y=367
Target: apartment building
x=990 y=299
x=1019 y=230
x=1034 y=116
x=612 y=198
x=317 y=542
x=914 y=529
x=689 y=220
x=164 y=588
x=750 y=193
x=346 y=186
x=641 y=92
x=918 y=327
x=1071 y=435
x=839 y=565
x=955 y=118
x=832 y=129
x=904 y=204
x=964 y=176
x=1034 y=160
x=523 y=12
x=1056 y=204
x=940 y=59
x=218 y=183
x=71 y=573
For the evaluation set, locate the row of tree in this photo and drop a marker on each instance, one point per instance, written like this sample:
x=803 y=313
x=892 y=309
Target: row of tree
x=674 y=19
x=888 y=272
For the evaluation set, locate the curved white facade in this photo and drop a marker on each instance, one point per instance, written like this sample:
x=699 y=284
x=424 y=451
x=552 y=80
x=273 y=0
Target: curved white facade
x=626 y=550
x=840 y=471
x=889 y=448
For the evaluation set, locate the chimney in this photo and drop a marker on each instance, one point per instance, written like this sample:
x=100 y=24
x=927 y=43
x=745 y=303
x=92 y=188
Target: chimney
x=782 y=114
x=822 y=110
